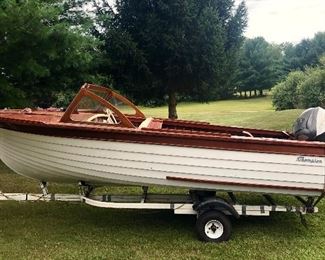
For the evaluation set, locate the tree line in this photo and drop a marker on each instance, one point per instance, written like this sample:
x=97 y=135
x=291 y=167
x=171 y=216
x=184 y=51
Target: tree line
x=153 y=51
x=262 y=65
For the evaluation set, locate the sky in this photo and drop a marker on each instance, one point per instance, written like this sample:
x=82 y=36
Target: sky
x=285 y=20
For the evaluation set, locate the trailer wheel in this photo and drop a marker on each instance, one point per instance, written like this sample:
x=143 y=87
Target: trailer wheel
x=213 y=226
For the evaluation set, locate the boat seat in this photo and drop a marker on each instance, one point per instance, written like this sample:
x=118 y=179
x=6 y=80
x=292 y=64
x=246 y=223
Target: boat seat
x=151 y=123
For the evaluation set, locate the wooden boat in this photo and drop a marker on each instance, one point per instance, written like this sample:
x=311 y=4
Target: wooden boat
x=103 y=138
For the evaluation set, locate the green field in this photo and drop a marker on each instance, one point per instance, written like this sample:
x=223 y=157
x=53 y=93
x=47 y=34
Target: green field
x=56 y=230
x=254 y=112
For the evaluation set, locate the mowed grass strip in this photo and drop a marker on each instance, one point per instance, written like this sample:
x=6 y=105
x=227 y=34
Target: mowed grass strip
x=54 y=230
x=253 y=112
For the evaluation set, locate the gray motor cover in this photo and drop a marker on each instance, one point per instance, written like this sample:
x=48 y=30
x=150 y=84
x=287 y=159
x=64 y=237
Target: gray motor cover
x=310 y=125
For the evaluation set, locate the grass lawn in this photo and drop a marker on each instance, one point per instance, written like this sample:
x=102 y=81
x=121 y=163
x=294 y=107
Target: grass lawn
x=39 y=230
x=254 y=112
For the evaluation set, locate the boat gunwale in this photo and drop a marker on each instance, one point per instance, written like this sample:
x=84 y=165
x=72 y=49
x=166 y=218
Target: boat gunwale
x=152 y=136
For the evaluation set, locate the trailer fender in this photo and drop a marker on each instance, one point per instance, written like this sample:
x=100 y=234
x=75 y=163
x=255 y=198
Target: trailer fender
x=215 y=204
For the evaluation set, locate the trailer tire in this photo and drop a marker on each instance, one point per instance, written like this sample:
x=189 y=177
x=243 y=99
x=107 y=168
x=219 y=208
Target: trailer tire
x=213 y=226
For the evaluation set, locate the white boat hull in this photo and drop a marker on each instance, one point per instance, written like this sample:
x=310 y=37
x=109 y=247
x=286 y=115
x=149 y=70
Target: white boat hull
x=57 y=159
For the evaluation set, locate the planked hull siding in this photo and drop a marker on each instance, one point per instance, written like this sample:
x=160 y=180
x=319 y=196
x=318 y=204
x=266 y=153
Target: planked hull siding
x=59 y=159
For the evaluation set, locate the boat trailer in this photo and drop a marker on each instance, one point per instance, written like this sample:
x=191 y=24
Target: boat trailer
x=213 y=213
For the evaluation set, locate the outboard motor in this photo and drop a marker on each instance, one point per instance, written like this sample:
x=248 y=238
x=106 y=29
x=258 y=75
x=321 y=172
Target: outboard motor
x=310 y=125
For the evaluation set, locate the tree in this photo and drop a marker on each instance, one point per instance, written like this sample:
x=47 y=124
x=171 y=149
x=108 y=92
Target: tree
x=304 y=54
x=179 y=47
x=285 y=93
x=301 y=89
x=300 y=55
x=41 y=52
x=311 y=91
x=260 y=65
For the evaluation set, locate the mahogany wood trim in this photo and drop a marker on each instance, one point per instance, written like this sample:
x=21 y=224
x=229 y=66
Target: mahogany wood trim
x=150 y=136
x=155 y=124
x=86 y=93
x=85 y=90
x=124 y=120
x=204 y=126
x=111 y=93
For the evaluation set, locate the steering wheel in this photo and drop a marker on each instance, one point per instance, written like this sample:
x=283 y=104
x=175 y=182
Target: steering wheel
x=108 y=118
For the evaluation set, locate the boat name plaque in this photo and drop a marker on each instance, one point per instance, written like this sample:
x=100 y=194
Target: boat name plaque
x=308 y=160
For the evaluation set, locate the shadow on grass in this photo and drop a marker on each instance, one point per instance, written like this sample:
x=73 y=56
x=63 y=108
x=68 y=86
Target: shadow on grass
x=73 y=230
x=64 y=216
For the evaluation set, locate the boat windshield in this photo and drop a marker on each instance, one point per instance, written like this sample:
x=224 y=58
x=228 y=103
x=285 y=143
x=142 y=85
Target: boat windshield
x=96 y=104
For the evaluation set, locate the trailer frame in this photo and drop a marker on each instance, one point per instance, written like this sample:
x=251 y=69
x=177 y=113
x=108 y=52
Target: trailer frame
x=212 y=225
